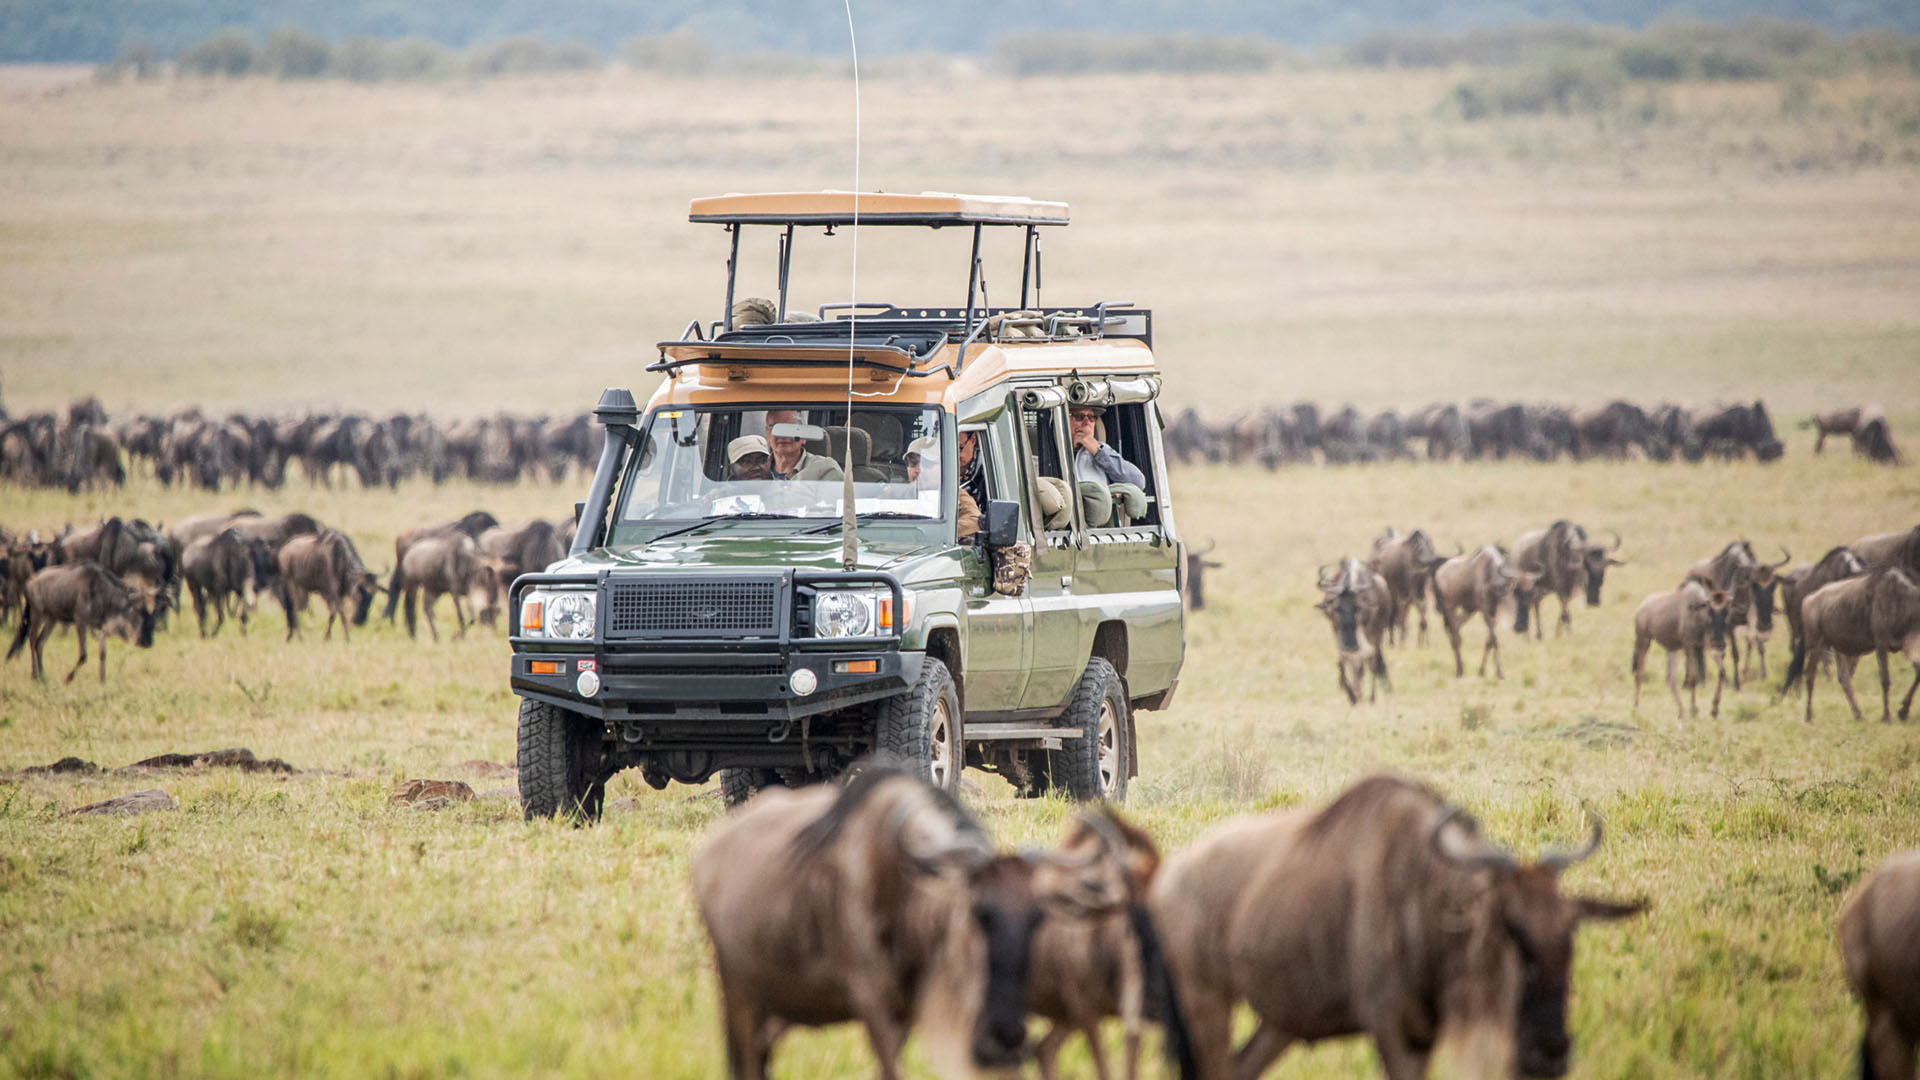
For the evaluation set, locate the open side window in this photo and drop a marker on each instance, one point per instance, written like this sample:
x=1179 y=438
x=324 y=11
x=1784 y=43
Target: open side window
x=1054 y=506
x=1124 y=427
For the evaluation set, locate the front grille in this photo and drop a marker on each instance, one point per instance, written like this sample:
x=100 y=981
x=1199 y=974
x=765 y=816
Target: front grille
x=616 y=666
x=682 y=608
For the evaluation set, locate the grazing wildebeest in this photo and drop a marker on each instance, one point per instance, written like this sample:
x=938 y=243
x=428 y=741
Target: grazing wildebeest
x=1687 y=621
x=325 y=565
x=473 y=525
x=1359 y=605
x=881 y=903
x=1195 y=582
x=1749 y=585
x=1479 y=583
x=1384 y=914
x=1877 y=929
x=1562 y=559
x=1406 y=562
x=449 y=564
x=1875 y=613
x=1084 y=970
x=1834 y=422
x=1613 y=430
x=226 y=565
x=1736 y=430
x=90 y=598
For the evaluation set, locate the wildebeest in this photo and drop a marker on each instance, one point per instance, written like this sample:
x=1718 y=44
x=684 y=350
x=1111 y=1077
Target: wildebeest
x=448 y=564
x=1875 y=613
x=1359 y=605
x=1383 y=914
x=194 y=527
x=472 y=525
x=130 y=548
x=1805 y=580
x=1444 y=429
x=1738 y=430
x=227 y=566
x=1901 y=549
x=276 y=531
x=881 y=903
x=325 y=565
x=1749 y=585
x=1479 y=583
x=1084 y=970
x=1687 y=621
x=90 y=598
x=1195 y=581
x=1877 y=929
x=1405 y=561
x=509 y=553
x=1562 y=559
x=1866 y=426
x=25 y=555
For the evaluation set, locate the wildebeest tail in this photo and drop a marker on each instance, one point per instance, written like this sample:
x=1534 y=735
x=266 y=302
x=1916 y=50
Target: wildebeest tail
x=20 y=635
x=1162 y=1003
x=393 y=593
x=1798 y=666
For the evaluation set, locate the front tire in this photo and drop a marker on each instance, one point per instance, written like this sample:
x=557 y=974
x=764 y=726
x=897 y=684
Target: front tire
x=922 y=727
x=1094 y=766
x=739 y=785
x=560 y=764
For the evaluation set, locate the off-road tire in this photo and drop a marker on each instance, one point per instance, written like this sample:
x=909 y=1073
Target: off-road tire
x=560 y=766
x=922 y=727
x=1094 y=766
x=739 y=785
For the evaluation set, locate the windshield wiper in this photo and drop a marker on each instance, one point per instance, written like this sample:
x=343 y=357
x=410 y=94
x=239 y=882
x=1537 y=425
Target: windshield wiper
x=711 y=519
x=871 y=515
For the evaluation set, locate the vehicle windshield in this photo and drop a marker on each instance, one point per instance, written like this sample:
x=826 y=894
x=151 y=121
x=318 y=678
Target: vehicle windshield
x=700 y=467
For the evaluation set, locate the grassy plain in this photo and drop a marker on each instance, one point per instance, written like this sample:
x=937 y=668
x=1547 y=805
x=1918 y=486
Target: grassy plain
x=1324 y=235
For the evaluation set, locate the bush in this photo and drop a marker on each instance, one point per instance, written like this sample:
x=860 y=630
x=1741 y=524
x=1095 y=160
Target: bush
x=1485 y=47
x=679 y=53
x=1567 y=84
x=134 y=61
x=529 y=56
x=228 y=53
x=292 y=54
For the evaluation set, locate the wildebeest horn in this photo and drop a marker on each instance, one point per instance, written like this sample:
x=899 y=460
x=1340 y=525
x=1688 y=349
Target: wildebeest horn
x=1556 y=860
x=1615 y=546
x=1325 y=582
x=1477 y=855
x=1211 y=544
x=1785 y=558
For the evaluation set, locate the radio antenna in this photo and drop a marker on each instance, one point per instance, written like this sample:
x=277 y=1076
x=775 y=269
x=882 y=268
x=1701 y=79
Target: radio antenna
x=849 y=518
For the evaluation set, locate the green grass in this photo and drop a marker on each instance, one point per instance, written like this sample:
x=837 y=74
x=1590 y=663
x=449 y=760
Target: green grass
x=298 y=925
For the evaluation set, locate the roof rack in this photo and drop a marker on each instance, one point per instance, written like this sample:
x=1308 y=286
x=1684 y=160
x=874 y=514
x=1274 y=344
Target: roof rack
x=929 y=208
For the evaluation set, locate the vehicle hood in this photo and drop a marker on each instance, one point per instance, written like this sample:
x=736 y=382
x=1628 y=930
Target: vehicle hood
x=698 y=553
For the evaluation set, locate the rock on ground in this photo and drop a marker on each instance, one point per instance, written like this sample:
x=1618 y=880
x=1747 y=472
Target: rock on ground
x=137 y=802
x=430 y=794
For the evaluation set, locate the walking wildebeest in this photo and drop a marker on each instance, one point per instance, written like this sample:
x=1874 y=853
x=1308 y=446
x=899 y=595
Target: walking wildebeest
x=881 y=903
x=1479 y=583
x=1359 y=605
x=1749 y=585
x=1082 y=971
x=226 y=565
x=1384 y=914
x=1688 y=621
x=1405 y=561
x=449 y=564
x=473 y=525
x=1561 y=559
x=90 y=598
x=1197 y=565
x=1875 y=613
x=1878 y=927
x=325 y=565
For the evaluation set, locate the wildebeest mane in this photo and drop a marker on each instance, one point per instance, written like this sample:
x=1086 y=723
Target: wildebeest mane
x=476 y=523
x=824 y=830
x=1364 y=802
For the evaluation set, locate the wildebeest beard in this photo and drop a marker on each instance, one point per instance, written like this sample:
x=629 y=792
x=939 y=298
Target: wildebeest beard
x=363 y=605
x=1346 y=616
x=1763 y=606
x=1006 y=913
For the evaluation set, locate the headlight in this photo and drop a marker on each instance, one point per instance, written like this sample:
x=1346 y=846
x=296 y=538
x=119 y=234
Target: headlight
x=845 y=613
x=562 y=615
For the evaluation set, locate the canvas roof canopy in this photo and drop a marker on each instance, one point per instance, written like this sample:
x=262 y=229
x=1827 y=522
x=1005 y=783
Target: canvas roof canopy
x=929 y=208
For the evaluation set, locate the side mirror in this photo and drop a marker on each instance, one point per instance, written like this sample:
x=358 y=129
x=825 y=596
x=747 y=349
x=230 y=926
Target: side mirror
x=579 y=508
x=1002 y=522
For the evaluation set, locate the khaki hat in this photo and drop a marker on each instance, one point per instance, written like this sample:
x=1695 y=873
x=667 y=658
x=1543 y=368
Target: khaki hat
x=744 y=445
x=926 y=446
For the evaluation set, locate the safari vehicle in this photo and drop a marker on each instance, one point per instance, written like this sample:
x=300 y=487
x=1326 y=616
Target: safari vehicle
x=713 y=618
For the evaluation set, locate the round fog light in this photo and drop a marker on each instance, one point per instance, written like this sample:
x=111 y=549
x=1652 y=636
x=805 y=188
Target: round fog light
x=588 y=683
x=803 y=682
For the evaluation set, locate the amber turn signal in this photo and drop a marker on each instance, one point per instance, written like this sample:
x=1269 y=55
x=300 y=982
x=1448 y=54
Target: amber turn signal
x=857 y=667
x=548 y=667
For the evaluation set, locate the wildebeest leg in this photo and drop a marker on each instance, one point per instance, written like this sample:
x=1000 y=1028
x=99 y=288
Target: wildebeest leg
x=1640 y=645
x=219 y=613
x=1679 y=707
x=36 y=642
x=80 y=635
x=1733 y=646
x=1398 y=1060
x=1347 y=684
x=1906 y=705
x=427 y=601
x=1720 y=683
x=1048 y=1048
x=1421 y=604
x=1453 y=638
x=1843 y=670
x=1565 y=625
x=747 y=1044
x=1208 y=1011
x=1885 y=1050
x=199 y=606
x=1493 y=647
x=1814 y=656
x=458 y=619
x=103 y=655
x=1262 y=1049
x=1886 y=687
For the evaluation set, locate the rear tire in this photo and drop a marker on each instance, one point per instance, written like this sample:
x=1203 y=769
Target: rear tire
x=1094 y=766
x=921 y=727
x=739 y=785
x=560 y=764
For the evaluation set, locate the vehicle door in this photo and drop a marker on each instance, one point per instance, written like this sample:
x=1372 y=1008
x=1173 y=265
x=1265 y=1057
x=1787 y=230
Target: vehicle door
x=999 y=650
x=1062 y=635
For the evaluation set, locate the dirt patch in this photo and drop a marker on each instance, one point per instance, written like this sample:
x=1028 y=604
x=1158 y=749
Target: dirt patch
x=235 y=758
x=1597 y=734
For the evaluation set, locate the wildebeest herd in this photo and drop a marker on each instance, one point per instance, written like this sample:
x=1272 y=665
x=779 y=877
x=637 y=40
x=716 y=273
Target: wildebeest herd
x=1859 y=598
x=123 y=576
x=1386 y=913
x=215 y=453
x=1301 y=434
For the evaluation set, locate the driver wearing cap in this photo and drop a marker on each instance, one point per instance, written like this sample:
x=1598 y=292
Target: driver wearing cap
x=923 y=470
x=748 y=458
